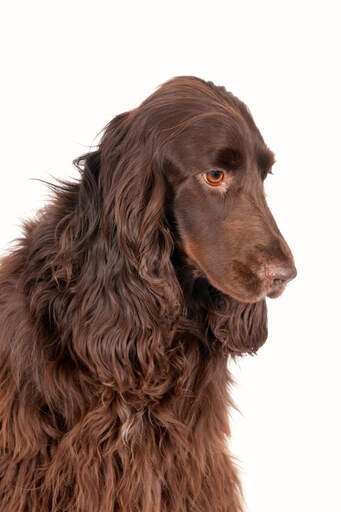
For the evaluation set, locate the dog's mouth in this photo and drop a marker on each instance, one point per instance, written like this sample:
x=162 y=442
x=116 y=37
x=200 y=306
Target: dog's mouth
x=265 y=280
x=276 y=290
x=248 y=288
x=242 y=282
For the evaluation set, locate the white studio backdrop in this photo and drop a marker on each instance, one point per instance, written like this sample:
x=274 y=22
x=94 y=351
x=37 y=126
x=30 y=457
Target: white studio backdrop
x=69 y=67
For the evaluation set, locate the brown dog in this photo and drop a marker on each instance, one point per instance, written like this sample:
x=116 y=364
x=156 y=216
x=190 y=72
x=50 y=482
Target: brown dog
x=121 y=305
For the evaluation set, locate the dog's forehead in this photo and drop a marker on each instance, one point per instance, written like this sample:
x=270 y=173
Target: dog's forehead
x=197 y=147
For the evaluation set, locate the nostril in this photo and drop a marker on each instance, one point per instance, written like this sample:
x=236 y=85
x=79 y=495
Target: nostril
x=279 y=274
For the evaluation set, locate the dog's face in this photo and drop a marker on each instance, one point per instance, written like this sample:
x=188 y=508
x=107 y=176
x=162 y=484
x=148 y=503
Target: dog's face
x=216 y=170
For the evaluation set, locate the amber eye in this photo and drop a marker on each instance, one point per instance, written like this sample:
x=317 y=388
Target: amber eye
x=214 y=177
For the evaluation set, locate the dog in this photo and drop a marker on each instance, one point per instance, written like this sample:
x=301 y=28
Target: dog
x=122 y=303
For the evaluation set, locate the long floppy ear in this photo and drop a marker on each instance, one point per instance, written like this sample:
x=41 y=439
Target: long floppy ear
x=110 y=289
x=134 y=196
x=132 y=254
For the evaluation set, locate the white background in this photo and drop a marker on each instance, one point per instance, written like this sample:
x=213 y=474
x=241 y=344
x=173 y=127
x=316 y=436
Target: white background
x=69 y=67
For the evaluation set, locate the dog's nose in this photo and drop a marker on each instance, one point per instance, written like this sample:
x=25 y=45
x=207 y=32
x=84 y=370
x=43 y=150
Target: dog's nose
x=280 y=274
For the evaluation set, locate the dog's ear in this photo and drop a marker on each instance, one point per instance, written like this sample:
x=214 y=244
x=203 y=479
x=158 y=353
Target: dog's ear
x=134 y=195
x=112 y=256
x=138 y=243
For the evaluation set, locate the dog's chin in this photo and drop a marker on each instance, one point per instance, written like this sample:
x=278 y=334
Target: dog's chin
x=244 y=298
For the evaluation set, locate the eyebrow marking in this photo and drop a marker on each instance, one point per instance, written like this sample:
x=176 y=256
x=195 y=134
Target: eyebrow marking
x=229 y=158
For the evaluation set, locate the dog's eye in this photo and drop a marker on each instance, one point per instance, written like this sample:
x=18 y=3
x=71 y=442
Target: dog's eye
x=214 y=177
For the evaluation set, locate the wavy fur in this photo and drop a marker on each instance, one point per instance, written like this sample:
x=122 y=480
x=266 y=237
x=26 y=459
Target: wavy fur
x=113 y=351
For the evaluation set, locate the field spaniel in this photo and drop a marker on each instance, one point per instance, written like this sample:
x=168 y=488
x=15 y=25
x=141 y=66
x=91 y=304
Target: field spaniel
x=122 y=303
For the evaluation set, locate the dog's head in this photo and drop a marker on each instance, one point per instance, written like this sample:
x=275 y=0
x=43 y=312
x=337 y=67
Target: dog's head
x=185 y=170
x=217 y=164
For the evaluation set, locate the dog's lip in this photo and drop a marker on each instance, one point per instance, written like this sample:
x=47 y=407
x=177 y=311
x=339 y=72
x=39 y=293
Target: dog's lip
x=276 y=290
